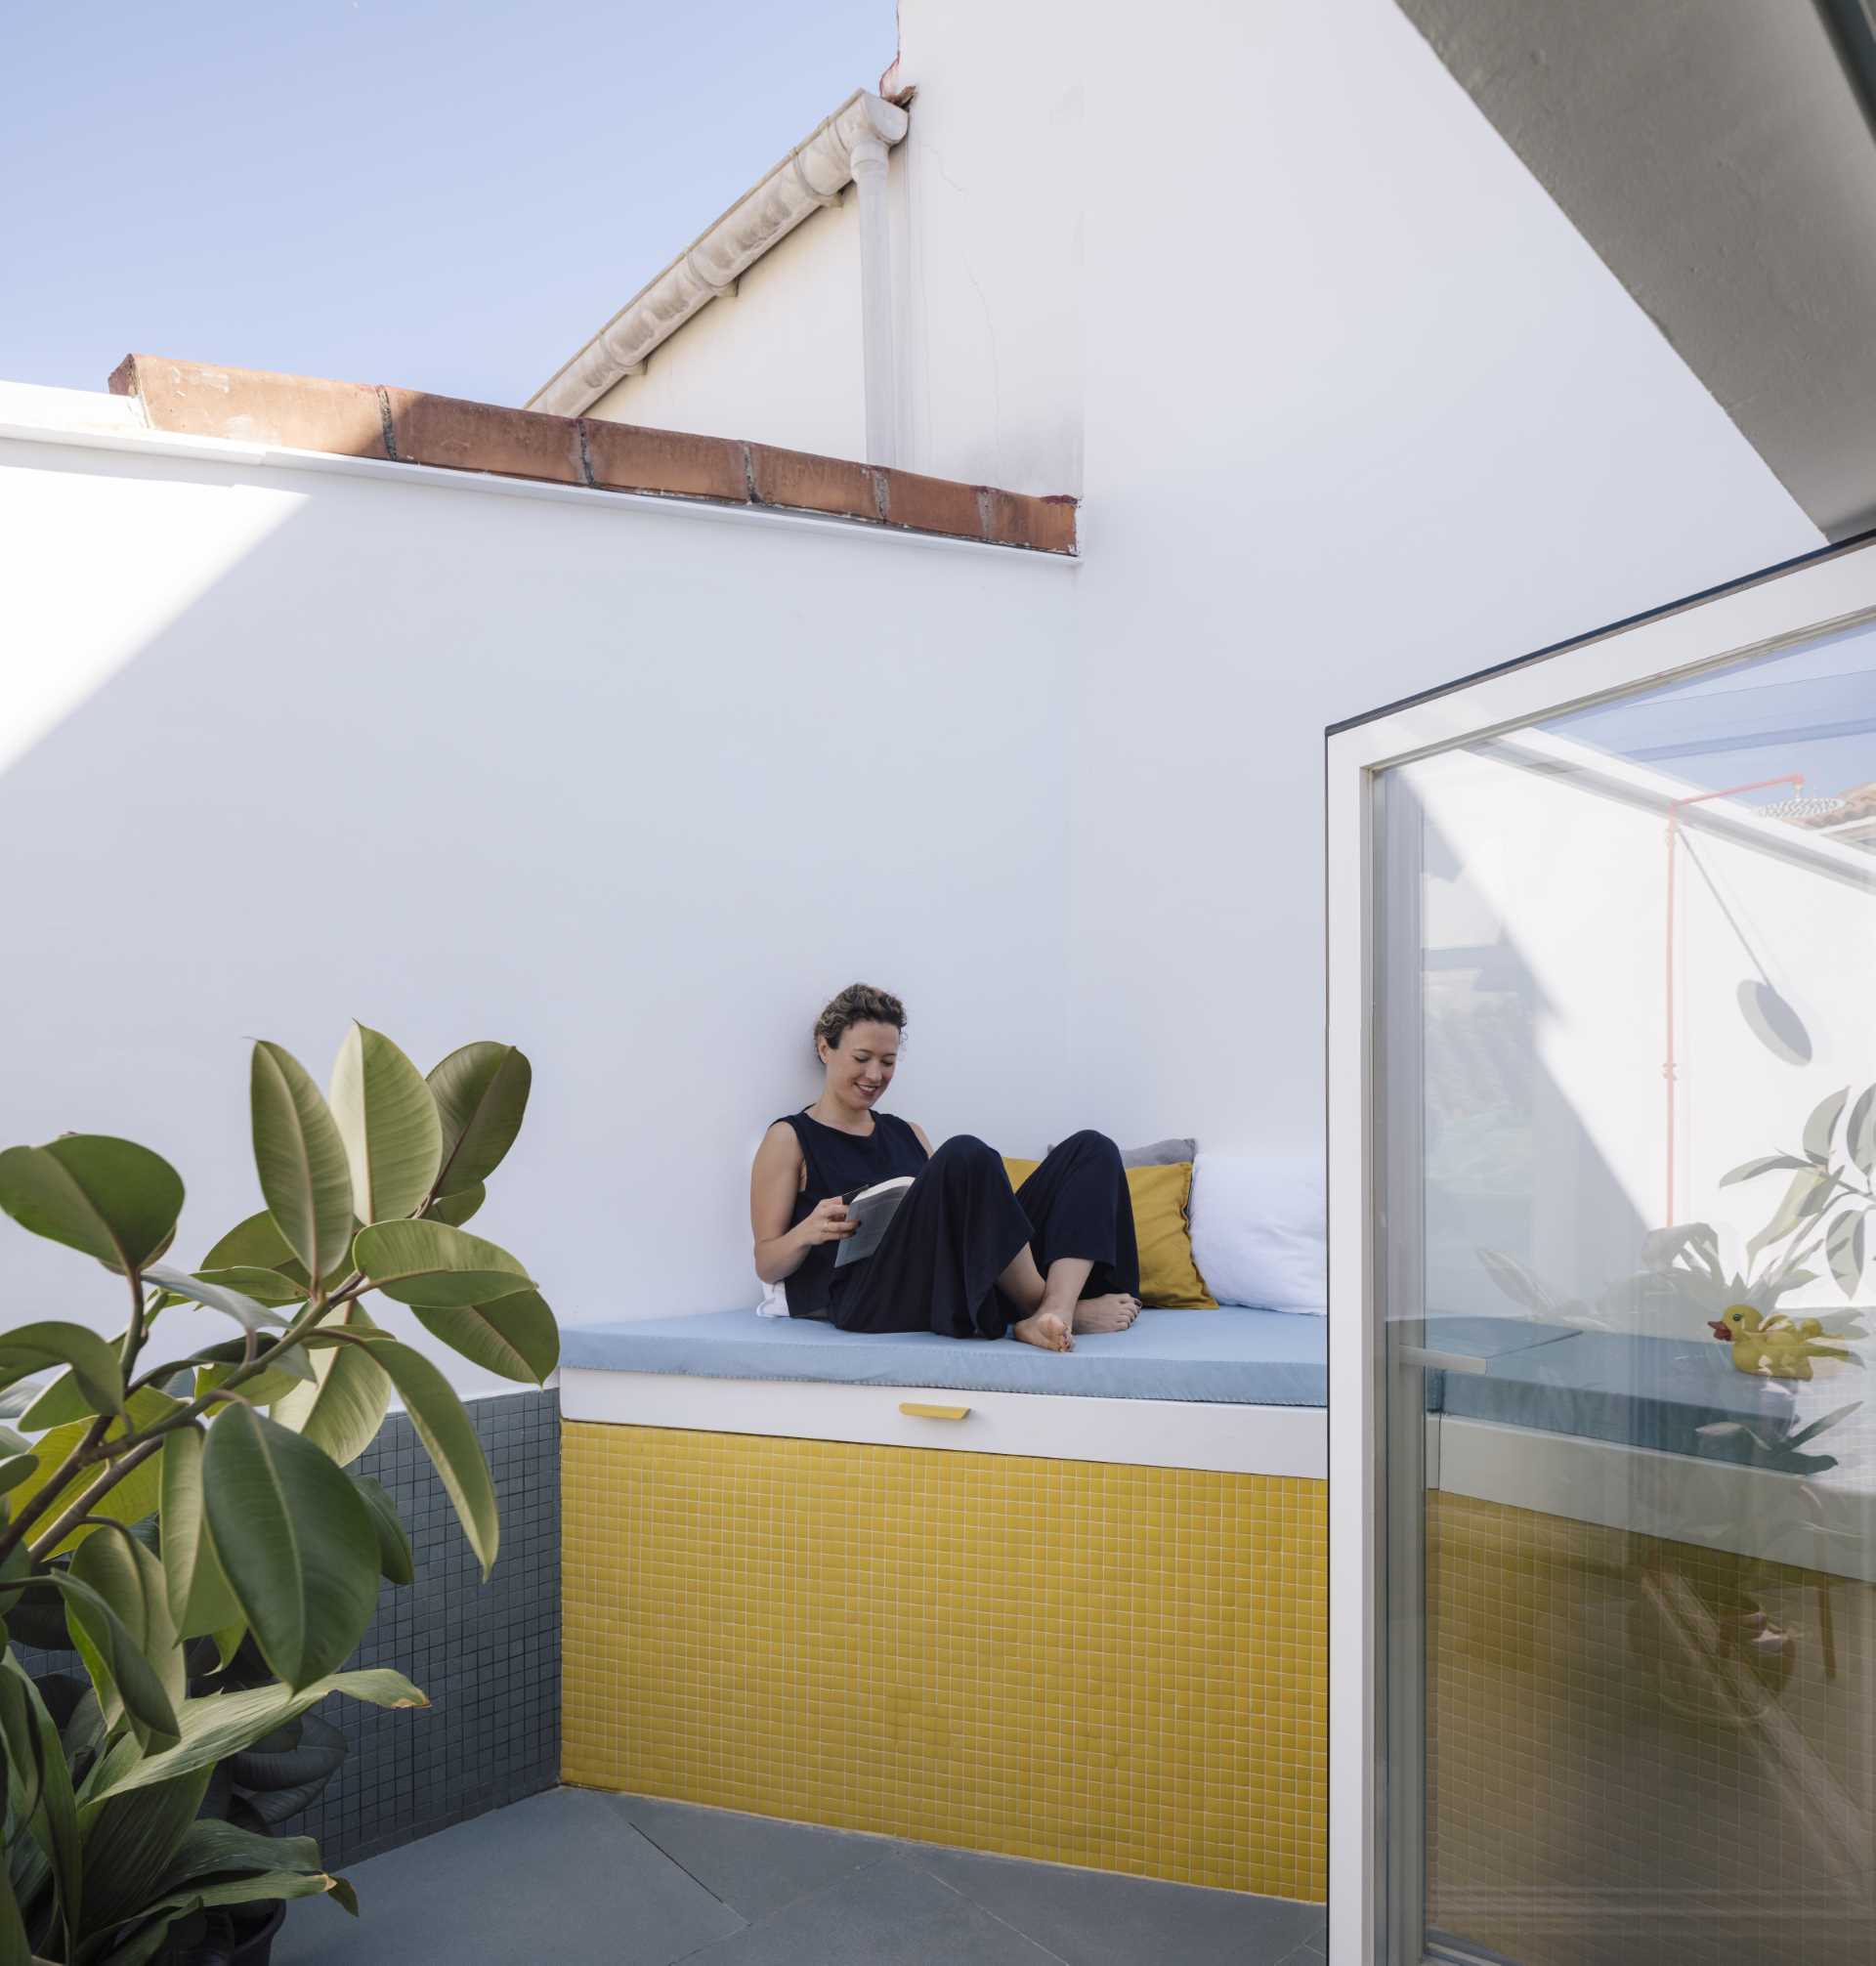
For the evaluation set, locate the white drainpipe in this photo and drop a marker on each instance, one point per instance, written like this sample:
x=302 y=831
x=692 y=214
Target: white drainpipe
x=850 y=143
x=876 y=301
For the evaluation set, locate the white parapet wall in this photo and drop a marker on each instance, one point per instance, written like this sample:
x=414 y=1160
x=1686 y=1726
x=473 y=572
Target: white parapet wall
x=288 y=738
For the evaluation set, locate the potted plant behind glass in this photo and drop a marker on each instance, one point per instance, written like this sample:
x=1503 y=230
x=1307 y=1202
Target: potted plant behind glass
x=215 y=1512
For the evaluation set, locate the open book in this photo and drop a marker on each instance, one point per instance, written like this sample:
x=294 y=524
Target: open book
x=873 y=1209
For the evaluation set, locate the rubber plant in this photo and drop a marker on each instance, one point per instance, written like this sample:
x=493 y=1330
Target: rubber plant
x=181 y=1499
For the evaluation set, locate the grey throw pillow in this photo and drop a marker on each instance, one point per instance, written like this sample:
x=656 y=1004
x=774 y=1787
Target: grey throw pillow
x=1161 y=1154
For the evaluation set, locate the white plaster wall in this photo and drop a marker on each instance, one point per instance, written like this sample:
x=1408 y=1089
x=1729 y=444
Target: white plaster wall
x=778 y=363
x=1364 y=414
x=991 y=186
x=633 y=786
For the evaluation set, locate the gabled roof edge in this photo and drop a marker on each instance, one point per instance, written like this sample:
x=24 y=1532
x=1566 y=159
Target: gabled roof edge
x=812 y=174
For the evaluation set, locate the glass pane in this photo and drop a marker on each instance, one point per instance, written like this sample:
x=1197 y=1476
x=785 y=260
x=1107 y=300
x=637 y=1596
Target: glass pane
x=1628 y=1032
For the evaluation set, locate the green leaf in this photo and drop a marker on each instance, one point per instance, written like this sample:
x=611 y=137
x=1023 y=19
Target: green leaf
x=16 y=1949
x=1808 y=1193
x=1749 y=1170
x=301 y=1162
x=59 y=1404
x=1821 y=1127
x=515 y=1337
x=296 y=1544
x=255 y=1243
x=289 y=1364
x=128 y=1577
x=209 y=1848
x=263 y=1390
x=148 y=1939
x=482 y=1095
x=343 y=1407
x=200 y=1597
x=110 y=1198
x=130 y=1842
x=147 y=1685
x=228 y=1641
x=16 y=1468
x=132 y=1498
x=25 y=1751
x=449 y=1438
x=395 y=1562
x=32 y=1347
x=244 y=1310
x=387 y=1116
x=431 y=1263
x=268 y=1286
x=1844 y=1249
x=223 y=1724
x=55 y=1825
x=457 y=1209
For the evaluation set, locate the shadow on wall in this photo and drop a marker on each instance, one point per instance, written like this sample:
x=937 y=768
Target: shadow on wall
x=1510 y=1165
x=602 y=785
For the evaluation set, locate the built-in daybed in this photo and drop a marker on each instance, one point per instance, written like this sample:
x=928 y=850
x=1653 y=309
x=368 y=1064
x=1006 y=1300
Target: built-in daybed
x=1065 y=1606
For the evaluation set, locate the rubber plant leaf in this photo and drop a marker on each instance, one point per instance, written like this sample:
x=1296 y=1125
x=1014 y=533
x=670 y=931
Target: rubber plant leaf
x=295 y=1542
x=425 y=1262
x=514 y=1337
x=301 y=1161
x=387 y=1117
x=93 y=1363
x=110 y=1198
x=482 y=1095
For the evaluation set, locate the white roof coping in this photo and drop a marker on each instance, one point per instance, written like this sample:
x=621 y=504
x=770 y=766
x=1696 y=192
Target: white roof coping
x=812 y=174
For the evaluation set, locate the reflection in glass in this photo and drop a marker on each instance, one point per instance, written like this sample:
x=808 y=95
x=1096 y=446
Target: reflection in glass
x=1629 y=1156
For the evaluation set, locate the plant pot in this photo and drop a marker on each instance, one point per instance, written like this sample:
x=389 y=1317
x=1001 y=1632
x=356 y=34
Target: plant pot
x=257 y=1948
x=231 y=1945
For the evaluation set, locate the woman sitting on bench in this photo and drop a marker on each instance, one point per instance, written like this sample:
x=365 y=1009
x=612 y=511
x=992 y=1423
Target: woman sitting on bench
x=963 y=1255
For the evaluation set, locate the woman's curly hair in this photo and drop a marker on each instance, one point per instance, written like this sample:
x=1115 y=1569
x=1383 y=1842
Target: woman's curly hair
x=857 y=1004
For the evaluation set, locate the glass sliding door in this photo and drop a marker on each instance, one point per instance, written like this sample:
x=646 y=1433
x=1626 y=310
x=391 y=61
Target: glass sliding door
x=1604 y=1243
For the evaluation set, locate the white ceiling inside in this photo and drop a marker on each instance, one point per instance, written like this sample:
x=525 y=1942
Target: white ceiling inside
x=1718 y=156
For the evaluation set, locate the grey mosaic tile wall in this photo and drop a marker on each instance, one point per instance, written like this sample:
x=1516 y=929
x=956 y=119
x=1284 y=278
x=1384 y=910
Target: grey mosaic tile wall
x=487 y=1654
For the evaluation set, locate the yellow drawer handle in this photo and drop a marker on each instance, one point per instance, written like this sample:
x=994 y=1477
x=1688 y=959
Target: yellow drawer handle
x=918 y=1409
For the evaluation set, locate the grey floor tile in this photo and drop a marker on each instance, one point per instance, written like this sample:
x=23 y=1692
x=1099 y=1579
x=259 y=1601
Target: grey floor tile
x=755 y=1864
x=891 y=1913
x=1099 y=1918
x=563 y=1876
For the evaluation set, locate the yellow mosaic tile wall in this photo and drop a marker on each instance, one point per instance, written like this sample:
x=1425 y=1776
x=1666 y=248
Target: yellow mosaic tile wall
x=1644 y=1753
x=1120 y=1667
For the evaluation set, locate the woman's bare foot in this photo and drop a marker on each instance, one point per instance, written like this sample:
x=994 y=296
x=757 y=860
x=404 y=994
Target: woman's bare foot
x=1047 y=1329
x=1106 y=1314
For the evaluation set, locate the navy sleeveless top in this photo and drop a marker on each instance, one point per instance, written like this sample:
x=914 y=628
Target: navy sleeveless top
x=837 y=1163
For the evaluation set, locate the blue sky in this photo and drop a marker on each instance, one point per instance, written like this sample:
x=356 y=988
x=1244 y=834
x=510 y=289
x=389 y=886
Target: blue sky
x=446 y=195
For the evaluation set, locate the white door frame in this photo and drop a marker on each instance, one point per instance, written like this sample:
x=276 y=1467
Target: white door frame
x=1829 y=590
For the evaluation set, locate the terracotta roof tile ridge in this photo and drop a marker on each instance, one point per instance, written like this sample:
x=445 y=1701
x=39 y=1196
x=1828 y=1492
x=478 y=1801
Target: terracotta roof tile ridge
x=410 y=426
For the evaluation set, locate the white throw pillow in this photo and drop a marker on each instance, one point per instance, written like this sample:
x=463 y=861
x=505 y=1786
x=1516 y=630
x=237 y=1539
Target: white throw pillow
x=1260 y=1231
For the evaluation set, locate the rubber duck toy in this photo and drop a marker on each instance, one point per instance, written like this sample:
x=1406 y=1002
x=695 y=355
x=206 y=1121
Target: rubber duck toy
x=1773 y=1347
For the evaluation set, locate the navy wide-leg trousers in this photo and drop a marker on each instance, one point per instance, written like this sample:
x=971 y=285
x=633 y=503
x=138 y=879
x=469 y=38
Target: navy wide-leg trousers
x=960 y=1227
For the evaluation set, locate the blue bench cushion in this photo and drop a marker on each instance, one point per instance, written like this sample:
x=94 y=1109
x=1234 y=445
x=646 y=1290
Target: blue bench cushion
x=1229 y=1357
x=1675 y=1395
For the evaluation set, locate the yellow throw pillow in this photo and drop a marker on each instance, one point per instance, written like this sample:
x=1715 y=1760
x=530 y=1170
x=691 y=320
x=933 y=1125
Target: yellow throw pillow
x=1169 y=1279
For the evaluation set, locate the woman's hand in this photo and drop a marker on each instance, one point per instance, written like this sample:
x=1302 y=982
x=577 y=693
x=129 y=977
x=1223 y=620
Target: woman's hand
x=827 y=1221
